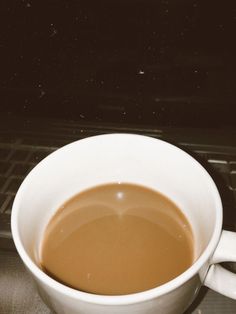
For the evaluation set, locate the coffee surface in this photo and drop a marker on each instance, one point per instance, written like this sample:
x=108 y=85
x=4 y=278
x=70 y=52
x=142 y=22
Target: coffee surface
x=117 y=239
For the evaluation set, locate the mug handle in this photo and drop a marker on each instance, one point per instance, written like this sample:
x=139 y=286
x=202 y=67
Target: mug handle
x=218 y=278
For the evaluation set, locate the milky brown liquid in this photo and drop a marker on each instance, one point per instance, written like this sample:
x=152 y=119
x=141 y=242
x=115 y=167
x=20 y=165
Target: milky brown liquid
x=117 y=239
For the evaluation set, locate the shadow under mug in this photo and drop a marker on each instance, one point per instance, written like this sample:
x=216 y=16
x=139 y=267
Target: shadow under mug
x=135 y=159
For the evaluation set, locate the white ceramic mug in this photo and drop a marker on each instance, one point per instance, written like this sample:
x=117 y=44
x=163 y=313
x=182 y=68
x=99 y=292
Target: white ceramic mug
x=132 y=159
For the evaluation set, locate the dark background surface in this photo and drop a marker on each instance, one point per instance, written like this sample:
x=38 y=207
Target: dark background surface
x=163 y=63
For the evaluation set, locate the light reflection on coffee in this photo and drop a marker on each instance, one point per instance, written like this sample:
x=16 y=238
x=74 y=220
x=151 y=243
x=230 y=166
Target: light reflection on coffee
x=117 y=239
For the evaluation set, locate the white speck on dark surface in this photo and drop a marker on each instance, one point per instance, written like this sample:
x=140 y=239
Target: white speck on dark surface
x=53 y=30
x=141 y=72
x=42 y=93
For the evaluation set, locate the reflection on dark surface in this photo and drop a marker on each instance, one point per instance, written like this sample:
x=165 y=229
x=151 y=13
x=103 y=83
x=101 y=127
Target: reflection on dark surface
x=160 y=62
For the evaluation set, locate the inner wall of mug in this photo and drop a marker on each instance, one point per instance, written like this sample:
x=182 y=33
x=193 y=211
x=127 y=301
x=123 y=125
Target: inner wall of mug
x=111 y=159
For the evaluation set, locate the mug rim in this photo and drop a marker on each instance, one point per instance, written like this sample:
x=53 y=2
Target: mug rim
x=128 y=298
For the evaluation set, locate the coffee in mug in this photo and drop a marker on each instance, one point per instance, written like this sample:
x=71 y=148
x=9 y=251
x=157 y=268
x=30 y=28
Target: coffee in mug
x=117 y=239
x=101 y=162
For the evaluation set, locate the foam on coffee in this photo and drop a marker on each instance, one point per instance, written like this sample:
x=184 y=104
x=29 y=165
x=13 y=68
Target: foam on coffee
x=117 y=239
